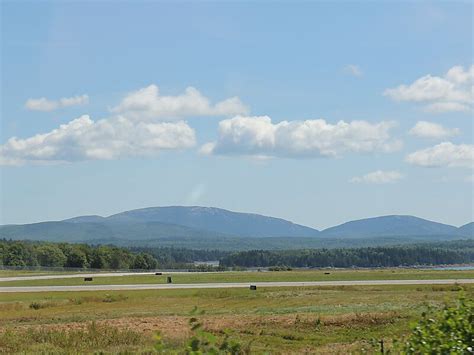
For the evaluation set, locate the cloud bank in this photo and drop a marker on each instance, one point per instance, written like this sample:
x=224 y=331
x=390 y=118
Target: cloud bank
x=452 y=92
x=258 y=136
x=83 y=139
x=378 y=177
x=144 y=124
x=45 y=105
x=445 y=154
x=148 y=103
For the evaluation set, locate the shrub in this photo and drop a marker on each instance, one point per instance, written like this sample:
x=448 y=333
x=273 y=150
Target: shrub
x=448 y=331
x=114 y=298
x=39 y=305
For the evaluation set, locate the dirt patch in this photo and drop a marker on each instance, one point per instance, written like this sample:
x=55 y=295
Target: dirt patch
x=169 y=326
x=247 y=322
x=177 y=327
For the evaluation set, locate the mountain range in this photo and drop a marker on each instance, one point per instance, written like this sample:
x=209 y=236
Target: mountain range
x=208 y=226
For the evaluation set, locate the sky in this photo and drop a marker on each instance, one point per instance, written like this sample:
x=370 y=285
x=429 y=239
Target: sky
x=316 y=112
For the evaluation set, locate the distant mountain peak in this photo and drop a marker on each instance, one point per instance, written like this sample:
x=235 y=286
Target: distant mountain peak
x=85 y=219
x=216 y=220
x=390 y=225
x=198 y=223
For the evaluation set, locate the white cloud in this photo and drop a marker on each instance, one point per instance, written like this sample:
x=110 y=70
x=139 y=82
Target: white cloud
x=84 y=139
x=426 y=129
x=445 y=154
x=440 y=107
x=147 y=103
x=378 y=177
x=258 y=136
x=353 y=70
x=452 y=92
x=43 y=104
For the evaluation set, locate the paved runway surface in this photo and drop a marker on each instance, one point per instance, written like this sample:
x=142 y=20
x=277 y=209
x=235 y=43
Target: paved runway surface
x=231 y=285
x=101 y=274
x=69 y=276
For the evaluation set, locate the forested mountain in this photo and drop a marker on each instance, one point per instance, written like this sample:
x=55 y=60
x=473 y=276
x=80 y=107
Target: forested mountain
x=213 y=219
x=401 y=226
x=466 y=230
x=204 y=227
x=101 y=232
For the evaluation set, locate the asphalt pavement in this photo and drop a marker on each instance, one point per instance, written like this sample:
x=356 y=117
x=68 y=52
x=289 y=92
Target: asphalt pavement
x=230 y=285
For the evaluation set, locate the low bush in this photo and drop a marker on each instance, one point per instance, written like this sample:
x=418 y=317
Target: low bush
x=92 y=339
x=449 y=330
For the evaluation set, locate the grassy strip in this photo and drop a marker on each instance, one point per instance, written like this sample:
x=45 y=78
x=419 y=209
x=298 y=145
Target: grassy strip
x=314 y=319
x=296 y=275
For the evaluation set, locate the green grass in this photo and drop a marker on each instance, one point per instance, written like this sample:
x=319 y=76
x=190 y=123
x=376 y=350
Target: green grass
x=329 y=319
x=296 y=275
x=276 y=320
x=87 y=340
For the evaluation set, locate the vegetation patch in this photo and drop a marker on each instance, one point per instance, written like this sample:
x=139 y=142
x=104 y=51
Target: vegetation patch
x=93 y=338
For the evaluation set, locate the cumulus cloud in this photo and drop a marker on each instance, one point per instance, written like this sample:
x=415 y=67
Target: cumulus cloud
x=452 y=92
x=426 y=129
x=148 y=103
x=258 y=136
x=378 y=177
x=353 y=70
x=84 y=139
x=43 y=104
x=445 y=154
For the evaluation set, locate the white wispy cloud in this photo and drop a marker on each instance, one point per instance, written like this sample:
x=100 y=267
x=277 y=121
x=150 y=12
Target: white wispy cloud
x=43 y=104
x=445 y=154
x=353 y=70
x=449 y=93
x=148 y=103
x=85 y=139
x=426 y=129
x=258 y=136
x=378 y=177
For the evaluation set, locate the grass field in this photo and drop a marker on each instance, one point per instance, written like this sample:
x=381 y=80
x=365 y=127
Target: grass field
x=339 y=319
x=297 y=275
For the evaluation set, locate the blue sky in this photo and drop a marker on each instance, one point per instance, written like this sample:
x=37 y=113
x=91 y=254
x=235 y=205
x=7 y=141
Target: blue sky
x=317 y=112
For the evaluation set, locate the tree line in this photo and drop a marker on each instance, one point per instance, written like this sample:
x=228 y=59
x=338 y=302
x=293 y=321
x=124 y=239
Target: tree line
x=49 y=254
x=353 y=257
x=180 y=258
x=83 y=256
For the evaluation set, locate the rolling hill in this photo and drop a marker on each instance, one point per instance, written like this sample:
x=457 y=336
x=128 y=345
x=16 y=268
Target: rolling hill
x=208 y=228
x=102 y=232
x=399 y=226
x=466 y=230
x=216 y=220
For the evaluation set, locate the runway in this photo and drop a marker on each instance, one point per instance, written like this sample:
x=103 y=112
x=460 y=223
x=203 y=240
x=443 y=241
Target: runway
x=229 y=285
x=101 y=274
x=69 y=276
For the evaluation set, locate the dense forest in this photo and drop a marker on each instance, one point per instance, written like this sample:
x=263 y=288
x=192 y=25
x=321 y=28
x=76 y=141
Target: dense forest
x=83 y=256
x=437 y=254
x=47 y=254
x=181 y=257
